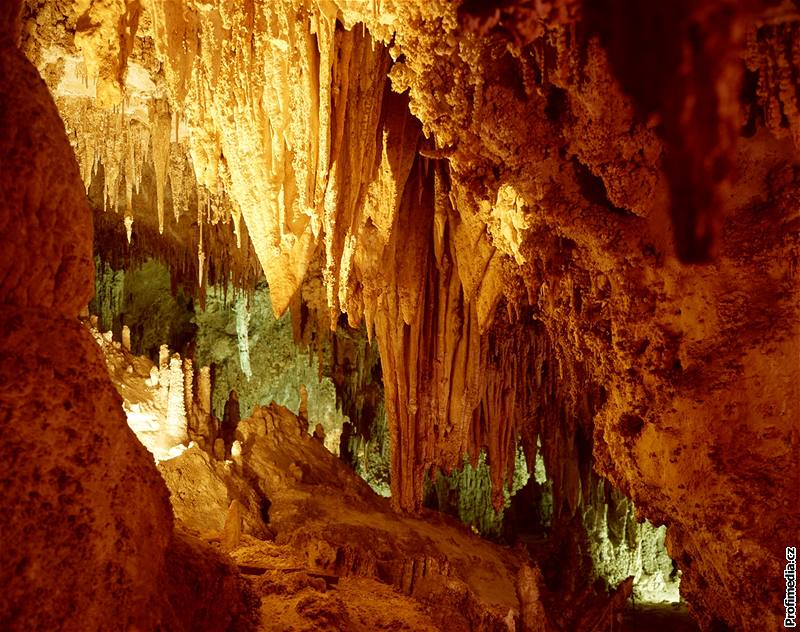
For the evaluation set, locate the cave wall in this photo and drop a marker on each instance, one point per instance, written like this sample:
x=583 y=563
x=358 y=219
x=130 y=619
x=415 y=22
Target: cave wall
x=515 y=229
x=87 y=527
x=83 y=504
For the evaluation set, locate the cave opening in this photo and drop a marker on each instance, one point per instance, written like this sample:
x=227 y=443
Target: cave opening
x=399 y=315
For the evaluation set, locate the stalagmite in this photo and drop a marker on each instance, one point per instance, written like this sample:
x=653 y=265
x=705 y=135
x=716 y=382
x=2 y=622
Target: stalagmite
x=163 y=356
x=154 y=380
x=232 y=531
x=302 y=412
x=188 y=384
x=126 y=337
x=219 y=449
x=176 y=410
x=204 y=389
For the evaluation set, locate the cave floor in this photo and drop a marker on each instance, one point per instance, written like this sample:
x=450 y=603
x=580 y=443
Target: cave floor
x=658 y=617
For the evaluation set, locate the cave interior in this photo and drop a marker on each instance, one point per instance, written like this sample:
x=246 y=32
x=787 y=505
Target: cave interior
x=450 y=315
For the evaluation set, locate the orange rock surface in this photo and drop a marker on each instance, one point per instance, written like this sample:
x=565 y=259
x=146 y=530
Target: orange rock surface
x=568 y=220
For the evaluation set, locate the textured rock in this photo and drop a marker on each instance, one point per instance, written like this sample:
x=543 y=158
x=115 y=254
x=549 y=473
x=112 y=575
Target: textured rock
x=320 y=512
x=82 y=500
x=46 y=261
x=334 y=537
x=357 y=605
x=514 y=229
x=206 y=588
x=203 y=491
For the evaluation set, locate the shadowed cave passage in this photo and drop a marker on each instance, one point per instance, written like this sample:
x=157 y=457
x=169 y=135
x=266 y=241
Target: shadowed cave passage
x=399 y=315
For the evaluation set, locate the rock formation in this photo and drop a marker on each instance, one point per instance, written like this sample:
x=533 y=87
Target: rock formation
x=73 y=471
x=329 y=527
x=569 y=224
x=86 y=518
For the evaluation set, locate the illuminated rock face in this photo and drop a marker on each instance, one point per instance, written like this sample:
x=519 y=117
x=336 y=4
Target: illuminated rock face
x=518 y=245
x=157 y=400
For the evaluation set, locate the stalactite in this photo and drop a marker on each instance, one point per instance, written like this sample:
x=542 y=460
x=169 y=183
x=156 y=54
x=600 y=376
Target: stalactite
x=243 y=340
x=181 y=179
x=223 y=263
x=201 y=253
x=622 y=546
x=160 y=123
x=105 y=38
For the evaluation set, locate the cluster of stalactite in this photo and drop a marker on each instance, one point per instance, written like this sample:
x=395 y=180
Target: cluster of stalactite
x=352 y=361
x=221 y=262
x=460 y=376
x=136 y=163
x=336 y=170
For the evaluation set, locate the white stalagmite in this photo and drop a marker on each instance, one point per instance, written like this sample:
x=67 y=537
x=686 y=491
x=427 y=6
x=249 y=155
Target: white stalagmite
x=126 y=337
x=153 y=380
x=163 y=356
x=154 y=405
x=161 y=396
x=129 y=227
x=202 y=410
x=176 y=410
